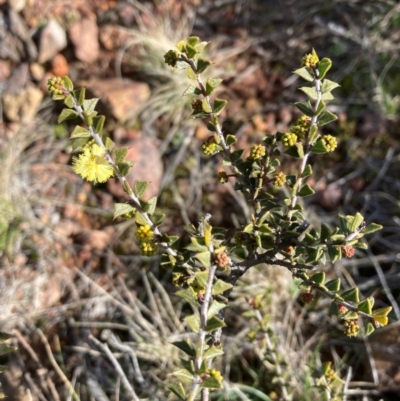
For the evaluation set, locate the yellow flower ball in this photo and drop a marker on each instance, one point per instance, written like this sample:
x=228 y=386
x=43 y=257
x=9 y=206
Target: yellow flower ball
x=91 y=164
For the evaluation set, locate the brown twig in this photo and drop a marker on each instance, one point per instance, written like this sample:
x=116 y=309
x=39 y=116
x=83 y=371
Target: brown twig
x=56 y=367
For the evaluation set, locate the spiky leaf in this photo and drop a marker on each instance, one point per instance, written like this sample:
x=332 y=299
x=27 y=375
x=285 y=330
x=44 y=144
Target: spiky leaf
x=213 y=352
x=80 y=132
x=306 y=190
x=366 y=305
x=371 y=228
x=89 y=105
x=219 y=105
x=183 y=375
x=325 y=118
x=307 y=171
x=211 y=382
x=305 y=108
x=80 y=95
x=124 y=168
x=189 y=295
x=230 y=140
x=6 y=349
x=69 y=101
x=193 y=321
x=305 y=73
x=369 y=329
x=318 y=278
x=109 y=144
x=67 y=83
x=220 y=287
x=204 y=258
x=333 y=285
x=123 y=208
x=323 y=67
x=120 y=154
x=328 y=86
x=141 y=219
x=98 y=123
x=319 y=148
x=310 y=92
x=358 y=219
x=178 y=390
x=351 y=295
x=202 y=65
x=296 y=150
x=382 y=312
x=186 y=347
x=140 y=187
x=67 y=114
x=211 y=85
x=214 y=308
x=214 y=323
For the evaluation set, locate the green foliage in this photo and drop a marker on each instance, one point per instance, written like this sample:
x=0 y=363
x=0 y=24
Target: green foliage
x=278 y=232
x=4 y=350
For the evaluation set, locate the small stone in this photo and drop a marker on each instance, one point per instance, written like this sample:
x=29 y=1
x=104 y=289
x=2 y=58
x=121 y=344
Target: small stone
x=52 y=40
x=330 y=197
x=17 y=5
x=84 y=36
x=112 y=37
x=121 y=97
x=5 y=70
x=148 y=167
x=37 y=71
x=59 y=66
x=96 y=239
x=22 y=106
x=16 y=41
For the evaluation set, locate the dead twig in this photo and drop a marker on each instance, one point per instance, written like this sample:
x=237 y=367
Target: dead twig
x=56 y=367
x=125 y=382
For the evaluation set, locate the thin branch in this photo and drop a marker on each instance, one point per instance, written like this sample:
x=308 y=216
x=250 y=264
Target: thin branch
x=275 y=358
x=125 y=382
x=56 y=367
x=109 y=336
x=202 y=333
x=314 y=118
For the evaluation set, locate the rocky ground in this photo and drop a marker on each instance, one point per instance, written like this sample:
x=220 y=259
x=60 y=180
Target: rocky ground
x=71 y=279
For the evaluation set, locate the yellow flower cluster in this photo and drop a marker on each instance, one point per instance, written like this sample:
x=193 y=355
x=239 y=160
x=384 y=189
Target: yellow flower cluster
x=279 y=179
x=147 y=248
x=91 y=164
x=351 y=328
x=210 y=148
x=145 y=236
x=54 y=85
x=301 y=127
x=216 y=374
x=257 y=151
x=330 y=374
x=330 y=142
x=289 y=139
x=129 y=215
x=144 y=233
x=310 y=60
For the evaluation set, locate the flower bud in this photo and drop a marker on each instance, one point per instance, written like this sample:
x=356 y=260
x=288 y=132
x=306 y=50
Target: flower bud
x=289 y=139
x=330 y=142
x=257 y=151
x=171 y=57
x=279 y=179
